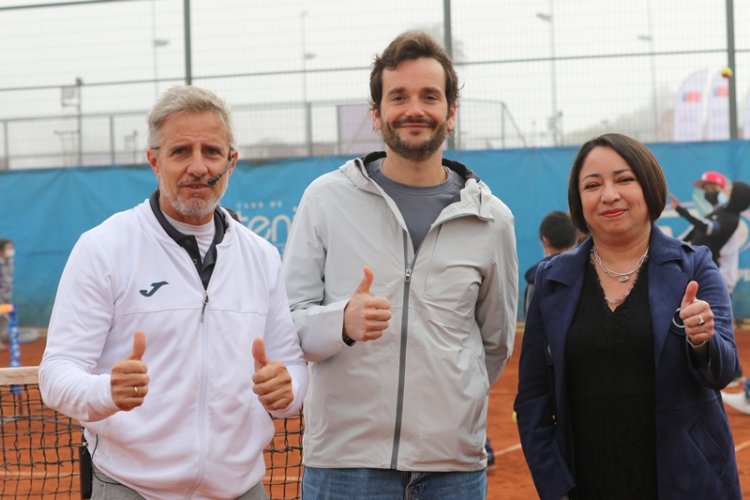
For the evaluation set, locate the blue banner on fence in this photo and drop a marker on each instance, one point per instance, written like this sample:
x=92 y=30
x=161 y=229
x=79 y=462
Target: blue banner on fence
x=44 y=211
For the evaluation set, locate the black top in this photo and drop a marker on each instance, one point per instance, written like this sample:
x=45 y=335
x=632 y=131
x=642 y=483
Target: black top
x=205 y=267
x=610 y=372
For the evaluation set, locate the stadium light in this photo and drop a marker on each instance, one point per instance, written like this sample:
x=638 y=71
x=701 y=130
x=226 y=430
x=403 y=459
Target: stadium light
x=555 y=118
x=305 y=57
x=156 y=43
x=70 y=95
x=649 y=38
x=654 y=98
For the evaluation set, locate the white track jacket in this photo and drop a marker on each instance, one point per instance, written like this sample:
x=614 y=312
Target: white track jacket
x=201 y=431
x=416 y=398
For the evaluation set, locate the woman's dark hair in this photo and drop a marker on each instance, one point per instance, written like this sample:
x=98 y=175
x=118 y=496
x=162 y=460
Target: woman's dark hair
x=638 y=157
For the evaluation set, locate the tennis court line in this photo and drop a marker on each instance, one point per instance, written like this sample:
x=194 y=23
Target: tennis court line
x=511 y=449
x=742 y=446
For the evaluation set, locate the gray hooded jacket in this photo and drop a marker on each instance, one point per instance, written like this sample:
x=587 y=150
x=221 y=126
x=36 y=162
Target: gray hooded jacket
x=416 y=398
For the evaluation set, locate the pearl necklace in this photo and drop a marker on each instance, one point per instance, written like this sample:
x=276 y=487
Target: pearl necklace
x=621 y=277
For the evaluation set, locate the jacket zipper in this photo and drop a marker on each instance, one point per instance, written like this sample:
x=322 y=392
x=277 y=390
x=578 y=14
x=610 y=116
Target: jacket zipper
x=402 y=353
x=205 y=303
x=201 y=403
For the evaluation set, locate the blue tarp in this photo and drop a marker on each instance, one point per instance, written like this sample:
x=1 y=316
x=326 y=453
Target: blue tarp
x=44 y=211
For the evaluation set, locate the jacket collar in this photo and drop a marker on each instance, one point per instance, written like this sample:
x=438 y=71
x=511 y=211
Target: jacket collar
x=458 y=167
x=474 y=198
x=205 y=266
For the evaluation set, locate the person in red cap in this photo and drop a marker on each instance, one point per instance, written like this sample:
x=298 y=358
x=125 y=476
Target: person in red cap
x=715 y=229
x=712 y=184
x=718 y=230
x=711 y=178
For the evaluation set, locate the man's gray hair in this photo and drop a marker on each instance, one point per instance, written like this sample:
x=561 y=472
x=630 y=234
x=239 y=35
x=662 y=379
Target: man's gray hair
x=186 y=99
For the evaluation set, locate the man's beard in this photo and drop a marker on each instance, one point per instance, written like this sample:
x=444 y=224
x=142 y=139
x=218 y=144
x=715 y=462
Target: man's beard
x=415 y=152
x=190 y=207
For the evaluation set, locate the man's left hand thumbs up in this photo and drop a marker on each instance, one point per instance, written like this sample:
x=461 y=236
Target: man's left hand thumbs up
x=271 y=380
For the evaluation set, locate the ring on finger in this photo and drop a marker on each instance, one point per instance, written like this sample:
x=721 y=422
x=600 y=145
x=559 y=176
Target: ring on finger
x=135 y=390
x=701 y=321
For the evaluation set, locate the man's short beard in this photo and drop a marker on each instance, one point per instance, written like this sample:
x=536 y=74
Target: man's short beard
x=421 y=151
x=193 y=207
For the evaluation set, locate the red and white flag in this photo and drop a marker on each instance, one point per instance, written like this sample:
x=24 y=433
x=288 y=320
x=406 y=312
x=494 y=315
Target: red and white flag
x=717 y=114
x=688 y=110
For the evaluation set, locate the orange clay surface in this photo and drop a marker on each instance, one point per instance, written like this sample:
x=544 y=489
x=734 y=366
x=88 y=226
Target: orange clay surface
x=510 y=478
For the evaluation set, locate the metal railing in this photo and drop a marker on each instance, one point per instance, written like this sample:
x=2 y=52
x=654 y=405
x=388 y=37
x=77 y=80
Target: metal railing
x=334 y=128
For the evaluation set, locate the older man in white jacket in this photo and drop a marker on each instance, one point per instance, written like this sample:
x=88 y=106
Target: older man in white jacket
x=171 y=337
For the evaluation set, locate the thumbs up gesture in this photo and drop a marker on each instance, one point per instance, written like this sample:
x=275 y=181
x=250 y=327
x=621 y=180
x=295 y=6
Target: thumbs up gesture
x=697 y=316
x=271 y=380
x=129 y=378
x=366 y=316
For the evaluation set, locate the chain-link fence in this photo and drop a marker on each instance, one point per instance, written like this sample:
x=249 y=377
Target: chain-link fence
x=77 y=77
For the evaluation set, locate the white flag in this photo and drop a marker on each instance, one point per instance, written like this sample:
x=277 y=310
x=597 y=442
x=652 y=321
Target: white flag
x=717 y=117
x=688 y=110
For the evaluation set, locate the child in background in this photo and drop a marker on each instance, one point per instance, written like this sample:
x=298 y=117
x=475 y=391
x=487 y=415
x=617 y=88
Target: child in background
x=7 y=253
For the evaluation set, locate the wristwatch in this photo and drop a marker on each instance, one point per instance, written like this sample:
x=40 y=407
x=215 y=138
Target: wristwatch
x=347 y=340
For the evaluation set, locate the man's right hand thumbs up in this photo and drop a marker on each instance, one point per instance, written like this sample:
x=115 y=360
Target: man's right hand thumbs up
x=139 y=345
x=129 y=378
x=366 y=316
x=366 y=283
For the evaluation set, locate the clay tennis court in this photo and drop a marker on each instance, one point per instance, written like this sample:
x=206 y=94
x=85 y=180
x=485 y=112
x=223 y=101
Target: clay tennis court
x=510 y=479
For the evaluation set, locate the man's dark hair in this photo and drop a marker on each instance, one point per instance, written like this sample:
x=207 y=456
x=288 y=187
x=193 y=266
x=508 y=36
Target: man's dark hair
x=411 y=45
x=558 y=229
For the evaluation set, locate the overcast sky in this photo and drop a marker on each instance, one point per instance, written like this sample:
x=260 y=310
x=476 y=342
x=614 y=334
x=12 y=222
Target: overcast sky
x=255 y=50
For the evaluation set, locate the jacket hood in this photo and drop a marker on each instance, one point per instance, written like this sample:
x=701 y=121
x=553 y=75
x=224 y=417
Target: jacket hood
x=739 y=200
x=475 y=197
x=459 y=168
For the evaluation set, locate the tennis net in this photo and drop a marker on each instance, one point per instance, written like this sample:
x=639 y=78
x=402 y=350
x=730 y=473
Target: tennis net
x=40 y=446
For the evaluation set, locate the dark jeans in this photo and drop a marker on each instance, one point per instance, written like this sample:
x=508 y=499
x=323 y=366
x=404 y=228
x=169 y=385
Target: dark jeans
x=385 y=484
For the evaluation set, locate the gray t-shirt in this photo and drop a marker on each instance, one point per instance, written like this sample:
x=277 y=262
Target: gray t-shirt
x=419 y=205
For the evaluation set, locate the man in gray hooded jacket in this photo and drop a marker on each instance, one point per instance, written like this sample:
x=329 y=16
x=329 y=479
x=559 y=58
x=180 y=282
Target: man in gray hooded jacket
x=401 y=272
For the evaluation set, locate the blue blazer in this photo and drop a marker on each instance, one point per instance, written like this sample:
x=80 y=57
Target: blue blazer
x=695 y=449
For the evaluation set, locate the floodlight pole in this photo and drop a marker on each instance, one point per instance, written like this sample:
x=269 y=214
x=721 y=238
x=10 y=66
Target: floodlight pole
x=448 y=41
x=79 y=84
x=188 y=48
x=305 y=102
x=6 y=143
x=650 y=39
x=654 y=98
x=733 y=134
x=554 y=120
x=156 y=43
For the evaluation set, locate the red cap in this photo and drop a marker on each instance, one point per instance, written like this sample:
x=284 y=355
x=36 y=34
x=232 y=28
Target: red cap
x=713 y=178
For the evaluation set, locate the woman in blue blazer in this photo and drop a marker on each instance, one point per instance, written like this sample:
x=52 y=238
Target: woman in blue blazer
x=628 y=341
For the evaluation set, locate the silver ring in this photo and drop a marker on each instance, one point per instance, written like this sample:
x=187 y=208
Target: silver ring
x=701 y=321
x=135 y=390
